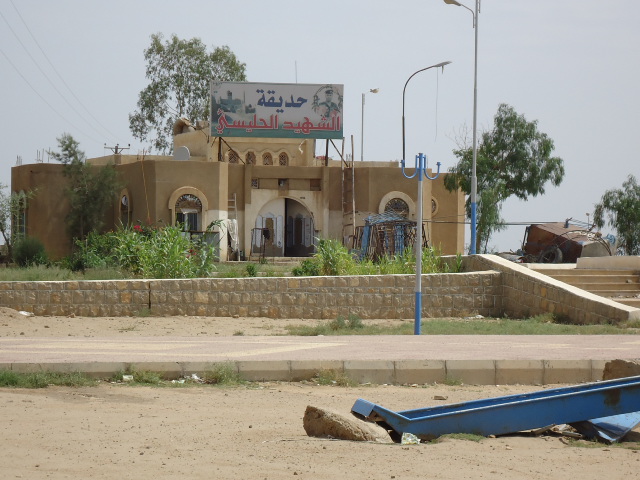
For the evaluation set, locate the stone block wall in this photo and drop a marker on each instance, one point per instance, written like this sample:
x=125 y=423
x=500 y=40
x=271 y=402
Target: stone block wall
x=376 y=296
x=379 y=296
x=490 y=286
x=527 y=292
x=92 y=298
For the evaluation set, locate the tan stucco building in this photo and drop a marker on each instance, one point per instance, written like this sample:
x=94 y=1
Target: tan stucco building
x=273 y=194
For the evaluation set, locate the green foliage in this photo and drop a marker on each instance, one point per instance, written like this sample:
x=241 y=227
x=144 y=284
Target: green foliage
x=222 y=374
x=44 y=379
x=307 y=268
x=94 y=251
x=352 y=322
x=622 y=207
x=251 y=269
x=90 y=190
x=470 y=437
x=513 y=159
x=334 y=377
x=547 y=324
x=29 y=251
x=166 y=252
x=333 y=258
x=179 y=73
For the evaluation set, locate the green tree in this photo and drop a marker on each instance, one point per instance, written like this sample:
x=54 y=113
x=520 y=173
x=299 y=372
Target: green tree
x=513 y=159
x=622 y=207
x=179 y=73
x=13 y=207
x=91 y=189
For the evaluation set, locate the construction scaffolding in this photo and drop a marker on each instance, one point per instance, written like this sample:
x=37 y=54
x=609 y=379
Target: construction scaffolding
x=385 y=234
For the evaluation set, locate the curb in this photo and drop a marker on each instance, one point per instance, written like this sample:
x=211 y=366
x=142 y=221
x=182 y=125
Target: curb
x=392 y=372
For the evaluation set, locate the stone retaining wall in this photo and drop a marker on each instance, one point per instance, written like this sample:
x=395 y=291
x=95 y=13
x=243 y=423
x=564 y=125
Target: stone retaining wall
x=375 y=296
x=491 y=287
x=95 y=298
x=527 y=292
x=379 y=296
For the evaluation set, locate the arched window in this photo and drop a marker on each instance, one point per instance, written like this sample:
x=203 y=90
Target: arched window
x=267 y=159
x=397 y=205
x=283 y=159
x=125 y=210
x=19 y=224
x=188 y=212
x=251 y=158
x=233 y=156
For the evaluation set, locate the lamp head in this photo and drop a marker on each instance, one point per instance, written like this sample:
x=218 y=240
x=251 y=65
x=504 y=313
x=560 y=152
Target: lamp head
x=452 y=2
x=374 y=90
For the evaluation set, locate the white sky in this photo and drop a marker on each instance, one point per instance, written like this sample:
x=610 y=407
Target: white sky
x=573 y=65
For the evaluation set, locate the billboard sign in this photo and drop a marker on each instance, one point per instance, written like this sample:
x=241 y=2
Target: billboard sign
x=276 y=110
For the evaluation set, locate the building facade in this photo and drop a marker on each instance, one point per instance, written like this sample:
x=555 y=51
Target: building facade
x=269 y=196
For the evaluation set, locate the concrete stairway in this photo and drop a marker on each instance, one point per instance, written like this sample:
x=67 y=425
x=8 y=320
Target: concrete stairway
x=622 y=286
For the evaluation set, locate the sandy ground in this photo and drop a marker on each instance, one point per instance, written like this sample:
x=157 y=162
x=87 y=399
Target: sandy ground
x=118 y=431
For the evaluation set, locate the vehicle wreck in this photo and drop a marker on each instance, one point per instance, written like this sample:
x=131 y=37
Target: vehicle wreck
x=564 y=242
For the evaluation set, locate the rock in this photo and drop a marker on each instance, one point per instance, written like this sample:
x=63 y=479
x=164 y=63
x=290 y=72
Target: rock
x=620 y=369
x=319 y=422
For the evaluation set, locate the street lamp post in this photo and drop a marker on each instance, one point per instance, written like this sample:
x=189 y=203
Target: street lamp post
x=404 y=90
x=474 y=178
x=373 y=90
x=420 y=171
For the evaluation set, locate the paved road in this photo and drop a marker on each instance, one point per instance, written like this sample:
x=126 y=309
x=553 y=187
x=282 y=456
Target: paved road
x=381 y=359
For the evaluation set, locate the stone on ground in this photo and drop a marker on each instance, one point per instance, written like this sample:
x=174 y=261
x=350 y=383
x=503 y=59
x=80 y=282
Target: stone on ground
x=319 y=422
x=621 y=369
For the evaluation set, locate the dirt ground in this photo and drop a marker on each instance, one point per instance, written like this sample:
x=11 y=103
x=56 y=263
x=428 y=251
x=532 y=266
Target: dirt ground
x=253 y=432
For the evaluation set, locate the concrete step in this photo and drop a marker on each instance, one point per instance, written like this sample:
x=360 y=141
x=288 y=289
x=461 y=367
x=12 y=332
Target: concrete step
x=553 y=271
x=594 y=279
x=607 y=287
x=622 y=286
x=630 y=302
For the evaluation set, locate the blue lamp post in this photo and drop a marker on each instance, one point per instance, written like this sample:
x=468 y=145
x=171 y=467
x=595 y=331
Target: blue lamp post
x=419 y=172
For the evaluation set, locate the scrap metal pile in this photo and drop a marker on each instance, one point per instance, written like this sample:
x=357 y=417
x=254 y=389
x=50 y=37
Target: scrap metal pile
x=564 y=242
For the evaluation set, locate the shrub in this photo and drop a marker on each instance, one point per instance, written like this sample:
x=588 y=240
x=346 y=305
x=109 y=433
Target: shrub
x=333 y=258
x=29 y=251
x=251 y=270
x=166 y=252
x=307 y=268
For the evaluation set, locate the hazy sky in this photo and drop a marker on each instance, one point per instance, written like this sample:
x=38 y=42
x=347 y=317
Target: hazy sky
x=77 y=66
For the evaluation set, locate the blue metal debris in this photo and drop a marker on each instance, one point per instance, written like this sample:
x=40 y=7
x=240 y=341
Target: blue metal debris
x=595 y=409
x=608 y=429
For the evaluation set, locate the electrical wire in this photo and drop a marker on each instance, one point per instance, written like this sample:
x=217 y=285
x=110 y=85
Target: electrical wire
x=105 y=129
x=44 y=99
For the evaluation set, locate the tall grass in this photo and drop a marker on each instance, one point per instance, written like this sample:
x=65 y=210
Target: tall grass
x=333 y=258
x=44 y=379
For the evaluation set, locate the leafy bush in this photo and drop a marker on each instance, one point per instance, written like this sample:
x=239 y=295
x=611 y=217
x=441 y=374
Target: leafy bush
x=251 y=270
x=332 y=258
x=307 y=268
x=29 y=251
x=222 y=374
x=149 y=252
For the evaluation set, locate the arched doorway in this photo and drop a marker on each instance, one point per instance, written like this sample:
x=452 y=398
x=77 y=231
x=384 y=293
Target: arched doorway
x=283 y=228
x=300 y=235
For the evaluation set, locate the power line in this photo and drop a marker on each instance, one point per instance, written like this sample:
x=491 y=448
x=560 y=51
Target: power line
x=36 y=63
x=43 y=99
